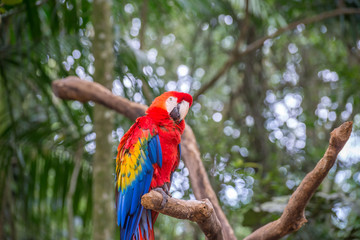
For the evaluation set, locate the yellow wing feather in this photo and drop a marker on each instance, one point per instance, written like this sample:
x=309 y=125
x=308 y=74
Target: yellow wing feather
x=129 y=161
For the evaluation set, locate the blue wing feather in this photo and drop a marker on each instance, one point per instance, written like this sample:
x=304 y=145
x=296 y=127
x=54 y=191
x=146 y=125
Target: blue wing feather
x=153 y=146
x=129 y=208
x=118 y=209
x=158 y=151
x=136 y=197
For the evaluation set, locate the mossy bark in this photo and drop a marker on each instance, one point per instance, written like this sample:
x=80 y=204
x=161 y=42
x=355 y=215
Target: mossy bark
x=103 y=203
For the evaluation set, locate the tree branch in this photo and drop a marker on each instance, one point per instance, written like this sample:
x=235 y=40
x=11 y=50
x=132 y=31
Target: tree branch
x=73 y=88
x=235 y=56
x=322 y=16
x=201 y=212
x=293 y=217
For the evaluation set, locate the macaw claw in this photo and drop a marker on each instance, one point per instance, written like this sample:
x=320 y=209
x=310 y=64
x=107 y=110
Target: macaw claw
x=164 y=190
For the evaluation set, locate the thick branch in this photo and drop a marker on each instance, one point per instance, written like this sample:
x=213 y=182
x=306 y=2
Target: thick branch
x=73 y=88
x=104 y=61
x=201 y=212
x=233 y=58
x=293 y=217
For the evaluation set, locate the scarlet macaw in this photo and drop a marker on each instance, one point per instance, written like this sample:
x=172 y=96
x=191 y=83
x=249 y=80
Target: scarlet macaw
x=148 y=154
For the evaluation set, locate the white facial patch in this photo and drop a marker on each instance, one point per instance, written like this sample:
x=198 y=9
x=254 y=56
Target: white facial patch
x=171 y=103
x=184 y=108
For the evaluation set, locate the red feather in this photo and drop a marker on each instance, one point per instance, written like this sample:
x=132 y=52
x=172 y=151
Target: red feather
x=158 y=120
x=170 y=136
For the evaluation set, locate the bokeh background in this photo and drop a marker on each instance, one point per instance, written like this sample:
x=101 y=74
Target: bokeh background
x=260 y=127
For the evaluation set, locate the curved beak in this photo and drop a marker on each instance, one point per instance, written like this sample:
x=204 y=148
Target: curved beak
x=179 y=112
x=175 y=113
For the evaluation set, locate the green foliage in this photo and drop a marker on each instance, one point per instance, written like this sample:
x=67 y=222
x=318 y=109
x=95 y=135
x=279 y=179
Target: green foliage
x=260 y=128
x=11 y=2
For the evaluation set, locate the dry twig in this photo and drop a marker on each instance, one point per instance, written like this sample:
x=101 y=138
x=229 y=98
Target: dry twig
x=293 y=217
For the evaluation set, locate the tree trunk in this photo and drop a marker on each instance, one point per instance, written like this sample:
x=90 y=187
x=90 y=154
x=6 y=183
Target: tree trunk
x=103 y=205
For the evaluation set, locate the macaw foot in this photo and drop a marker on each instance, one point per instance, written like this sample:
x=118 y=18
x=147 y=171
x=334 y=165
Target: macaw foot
x=164 y=190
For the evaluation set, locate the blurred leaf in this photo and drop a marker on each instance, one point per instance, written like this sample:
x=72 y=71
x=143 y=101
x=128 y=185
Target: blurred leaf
x=11 y=2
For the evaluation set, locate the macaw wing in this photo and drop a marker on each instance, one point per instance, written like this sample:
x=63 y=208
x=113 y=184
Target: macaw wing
x=134 y=172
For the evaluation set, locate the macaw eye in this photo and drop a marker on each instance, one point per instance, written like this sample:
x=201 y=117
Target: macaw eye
x=171 y=103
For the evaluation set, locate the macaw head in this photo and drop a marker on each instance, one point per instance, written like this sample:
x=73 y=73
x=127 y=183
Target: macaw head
x=170 y=104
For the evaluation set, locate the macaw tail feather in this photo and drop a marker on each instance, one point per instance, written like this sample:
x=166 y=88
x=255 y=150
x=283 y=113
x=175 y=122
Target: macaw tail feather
x=150 y=236
x=145 y=230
